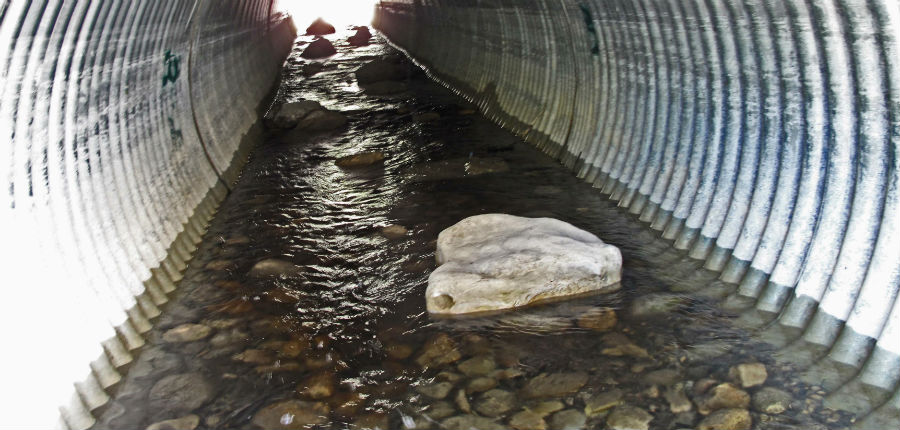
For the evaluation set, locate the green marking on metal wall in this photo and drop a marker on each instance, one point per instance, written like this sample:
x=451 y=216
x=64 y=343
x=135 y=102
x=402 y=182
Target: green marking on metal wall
x=591 y=28
x=172 y=67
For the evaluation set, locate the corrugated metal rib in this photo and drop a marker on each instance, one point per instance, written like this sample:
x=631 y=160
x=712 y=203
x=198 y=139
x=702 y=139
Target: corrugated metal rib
x=759 y=136
x=105 y=188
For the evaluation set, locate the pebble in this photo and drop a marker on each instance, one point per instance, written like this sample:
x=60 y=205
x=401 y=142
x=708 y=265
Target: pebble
x=554 y=384
x=291 y=415
x=318 y=386
x=462 y=402
x=598 y=319
x=749 y=374
x=469 y=422
x=628 y=417
x=438 y=351
x=346 y=404
x=495 y=403
x=771 y=400
x=186 y=333
x=182 y=392
x=527 y=420
x=187 y=422
x=394 y=231
x=546 y=407
x=436 y=391
x=219 y=265
x=322 y=120
x=274 y=267
x=727 y=419
x=723 y=396
x=480 y=384
x=678 y=401
x=569 y=419
x=398 y=351
x=629 y=349
x=360 y=160
x=440 y=410
x=477 y=366
x=602 y=402
x=448 y=376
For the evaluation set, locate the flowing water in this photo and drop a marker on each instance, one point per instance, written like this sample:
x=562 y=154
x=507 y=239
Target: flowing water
x=338 y=335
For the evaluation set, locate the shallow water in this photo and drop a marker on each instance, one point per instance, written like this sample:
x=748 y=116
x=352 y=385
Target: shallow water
x=347 y=317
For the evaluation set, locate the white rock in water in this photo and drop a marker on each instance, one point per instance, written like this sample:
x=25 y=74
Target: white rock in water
x=497 y=261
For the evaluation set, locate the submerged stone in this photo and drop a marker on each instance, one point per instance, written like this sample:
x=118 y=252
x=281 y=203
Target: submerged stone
x=360 y=160
x=749 y=374
x=770 y=400
x=554 y=384
x=627 y=417
x=322 y=120
x=319 y=48
x=602 y=402
x=182 y=392
x=289 y=114
x=319 y=27
x=495 y=403
x=727 y=419
x=394 y=231
x=497 y=261
x=569 y=419
x=527 y=420
x=274 y=267
x=723 y=396
x=186 y=333
x=438 y=351
x=291 y=415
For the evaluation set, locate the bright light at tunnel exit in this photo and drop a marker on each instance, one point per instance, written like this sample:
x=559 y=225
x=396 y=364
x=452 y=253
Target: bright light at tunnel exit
x=340 y=13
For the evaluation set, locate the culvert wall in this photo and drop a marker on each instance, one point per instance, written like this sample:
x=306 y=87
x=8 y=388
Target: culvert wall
x=122 y=125
x=759 y=136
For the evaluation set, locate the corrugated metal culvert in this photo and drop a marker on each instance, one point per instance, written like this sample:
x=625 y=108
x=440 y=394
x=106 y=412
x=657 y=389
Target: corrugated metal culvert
x=758 y=136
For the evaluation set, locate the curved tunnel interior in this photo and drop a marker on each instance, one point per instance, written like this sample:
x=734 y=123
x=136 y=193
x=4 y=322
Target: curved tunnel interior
x=757 y=139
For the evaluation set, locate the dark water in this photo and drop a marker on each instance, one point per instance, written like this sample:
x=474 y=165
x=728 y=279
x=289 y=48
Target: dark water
x=346 y=316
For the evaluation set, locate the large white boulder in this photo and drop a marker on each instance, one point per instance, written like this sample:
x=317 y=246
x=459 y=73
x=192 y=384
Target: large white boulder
x=497 y=261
